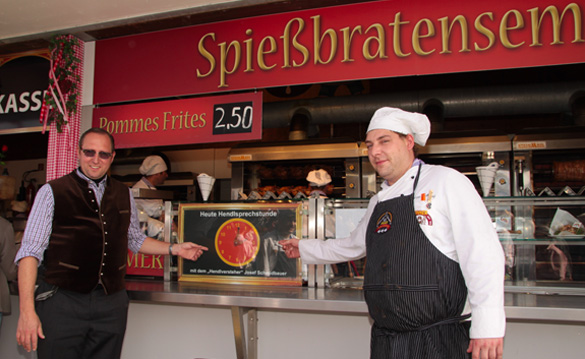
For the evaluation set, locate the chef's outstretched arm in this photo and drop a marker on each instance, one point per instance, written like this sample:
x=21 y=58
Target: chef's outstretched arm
x=291 y=247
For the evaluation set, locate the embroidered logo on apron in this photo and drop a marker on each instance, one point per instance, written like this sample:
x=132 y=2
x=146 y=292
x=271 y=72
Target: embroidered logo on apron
x=384 y=223
x=424 y=218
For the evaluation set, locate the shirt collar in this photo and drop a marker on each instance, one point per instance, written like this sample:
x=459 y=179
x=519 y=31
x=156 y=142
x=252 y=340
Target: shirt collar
x=147 y=181
x=417 y=161
x=89 y=180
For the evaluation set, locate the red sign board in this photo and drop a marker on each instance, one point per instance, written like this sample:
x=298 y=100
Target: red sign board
x=225 y=118
x=145 y=264
x=359 y=41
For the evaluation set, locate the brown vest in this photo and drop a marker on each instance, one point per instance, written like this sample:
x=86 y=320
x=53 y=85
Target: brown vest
x=89 y=242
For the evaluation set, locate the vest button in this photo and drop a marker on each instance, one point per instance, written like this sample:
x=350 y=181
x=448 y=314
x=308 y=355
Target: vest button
x=105 y=232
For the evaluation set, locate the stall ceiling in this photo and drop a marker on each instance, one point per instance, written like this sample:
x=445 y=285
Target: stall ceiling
x=28 y=24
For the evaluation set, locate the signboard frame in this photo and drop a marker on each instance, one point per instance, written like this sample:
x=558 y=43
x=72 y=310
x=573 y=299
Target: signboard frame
x=216 y=226
x=209 y=119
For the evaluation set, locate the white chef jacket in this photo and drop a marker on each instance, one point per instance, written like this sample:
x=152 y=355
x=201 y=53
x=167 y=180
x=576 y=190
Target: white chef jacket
x=152 y=207
x=454 y=218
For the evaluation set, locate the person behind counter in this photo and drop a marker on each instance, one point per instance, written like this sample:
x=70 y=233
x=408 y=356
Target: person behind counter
x=319 y=181
x=80 y=228
x=7 y=266
x=430 y=248
x=154 y=173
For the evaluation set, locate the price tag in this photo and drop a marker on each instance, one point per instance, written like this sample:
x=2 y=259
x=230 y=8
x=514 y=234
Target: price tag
x=234 y=117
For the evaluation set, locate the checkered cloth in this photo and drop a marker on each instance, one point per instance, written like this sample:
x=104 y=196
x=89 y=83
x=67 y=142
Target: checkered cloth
x=62 y=150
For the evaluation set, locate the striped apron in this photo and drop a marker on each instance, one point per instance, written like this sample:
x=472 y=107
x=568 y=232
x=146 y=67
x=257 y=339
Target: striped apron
x=415 y=294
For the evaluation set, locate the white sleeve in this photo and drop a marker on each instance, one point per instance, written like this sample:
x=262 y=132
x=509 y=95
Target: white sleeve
x=335 y=250
x=480 y=256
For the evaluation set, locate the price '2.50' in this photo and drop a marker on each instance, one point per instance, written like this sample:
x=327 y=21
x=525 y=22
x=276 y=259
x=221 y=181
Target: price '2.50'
x=233 y=118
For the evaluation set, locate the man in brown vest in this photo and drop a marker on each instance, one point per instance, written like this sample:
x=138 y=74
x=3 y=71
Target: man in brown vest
x=79 y=229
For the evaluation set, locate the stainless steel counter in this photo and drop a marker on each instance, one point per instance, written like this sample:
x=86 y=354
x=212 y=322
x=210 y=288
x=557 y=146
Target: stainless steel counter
x=519 y=306
x=348 y=301
x=247 y=300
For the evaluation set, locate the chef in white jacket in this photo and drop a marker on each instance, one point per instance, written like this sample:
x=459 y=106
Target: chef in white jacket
x=154 y=173
x=435 y=268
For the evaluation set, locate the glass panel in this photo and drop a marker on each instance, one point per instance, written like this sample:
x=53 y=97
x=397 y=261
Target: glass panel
x=341 y=217
x=544 y=242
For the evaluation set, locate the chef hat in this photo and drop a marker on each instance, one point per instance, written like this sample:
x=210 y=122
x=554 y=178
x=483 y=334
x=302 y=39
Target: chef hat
x=400 y=121
x=152 y=165
x=318 y=178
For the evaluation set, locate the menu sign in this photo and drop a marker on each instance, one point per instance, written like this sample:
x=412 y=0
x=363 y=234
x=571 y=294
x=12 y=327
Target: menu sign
x=225 y=118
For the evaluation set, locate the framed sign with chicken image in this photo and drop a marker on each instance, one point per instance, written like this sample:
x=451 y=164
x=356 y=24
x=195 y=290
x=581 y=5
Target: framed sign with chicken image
x=243 y=242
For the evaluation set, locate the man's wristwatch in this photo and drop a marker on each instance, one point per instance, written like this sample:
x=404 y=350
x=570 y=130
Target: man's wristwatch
x=171 y=249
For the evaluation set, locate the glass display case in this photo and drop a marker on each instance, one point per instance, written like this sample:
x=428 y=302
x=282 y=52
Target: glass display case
x=543 y=239
x=544 y=242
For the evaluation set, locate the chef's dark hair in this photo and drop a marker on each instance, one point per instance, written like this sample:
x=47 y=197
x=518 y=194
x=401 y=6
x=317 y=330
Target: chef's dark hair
x=415 y=148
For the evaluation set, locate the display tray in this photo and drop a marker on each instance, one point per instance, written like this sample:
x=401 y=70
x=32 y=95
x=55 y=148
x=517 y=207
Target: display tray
x=545 y=241
x=509 y=235
x=569 y=236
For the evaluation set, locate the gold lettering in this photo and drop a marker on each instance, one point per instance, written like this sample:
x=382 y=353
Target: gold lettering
x=263 y=51
x=505 y=28
x=488 y=29
x=147 y=124
x=156 y=262
x=197 y=121
x=249 y=51
x=143 y=264
x=380 y=39
x=207 y=55
x=122 y=126
x=136 y=125
x=186 y=119
x=484 y=31
x=165 y=120
x=132 y=259
x=417 y=35
x=179 y=118
x=295 y=43
x=536 y=22
x=105 y=124
x=446 y=33
x=347 y=37
x=318 y=41
x=223 y=55
x=155 y=122
x=396 y=37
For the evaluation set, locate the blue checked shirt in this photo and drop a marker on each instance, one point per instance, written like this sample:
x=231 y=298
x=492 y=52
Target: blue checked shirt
x=40 y=222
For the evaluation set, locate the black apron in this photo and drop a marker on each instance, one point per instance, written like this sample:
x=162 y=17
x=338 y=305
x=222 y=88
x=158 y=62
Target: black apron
x=415 y=294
